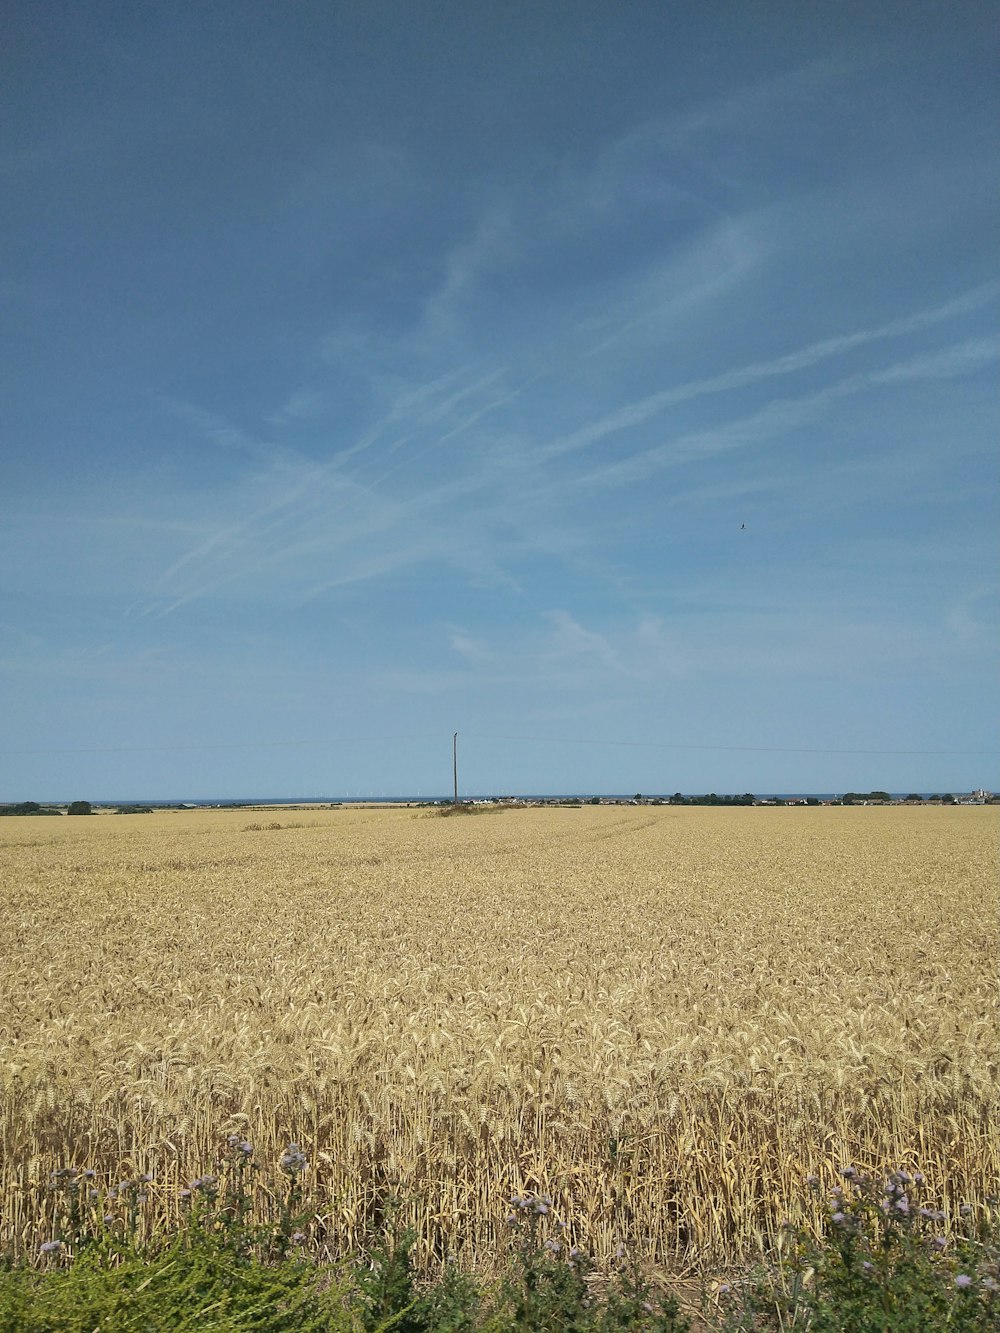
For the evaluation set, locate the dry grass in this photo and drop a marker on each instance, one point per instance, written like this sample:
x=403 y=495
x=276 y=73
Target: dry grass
x=665 y=1018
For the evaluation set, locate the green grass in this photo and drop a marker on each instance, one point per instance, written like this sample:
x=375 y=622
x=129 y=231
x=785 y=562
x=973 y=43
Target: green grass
x=888 y=1262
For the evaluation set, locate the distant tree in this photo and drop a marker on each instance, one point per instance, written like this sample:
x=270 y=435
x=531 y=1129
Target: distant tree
x=948 y=799
x=28 y=808
x=80 y=808
x=914 y=796
x=812 y=800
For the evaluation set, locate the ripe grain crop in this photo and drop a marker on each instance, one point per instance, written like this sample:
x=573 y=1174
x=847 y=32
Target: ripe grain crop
x=666 y=1019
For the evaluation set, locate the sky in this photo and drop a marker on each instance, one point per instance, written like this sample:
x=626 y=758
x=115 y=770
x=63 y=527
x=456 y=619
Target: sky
x=614 y=385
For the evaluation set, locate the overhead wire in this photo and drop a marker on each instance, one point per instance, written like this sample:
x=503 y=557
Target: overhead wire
x=479 y=736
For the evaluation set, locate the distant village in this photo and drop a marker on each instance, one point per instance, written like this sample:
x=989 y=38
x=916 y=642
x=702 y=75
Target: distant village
x=471 y=804
x=978 y=797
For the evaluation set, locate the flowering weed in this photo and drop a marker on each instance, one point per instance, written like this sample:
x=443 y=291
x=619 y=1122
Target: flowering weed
x=887 y=1263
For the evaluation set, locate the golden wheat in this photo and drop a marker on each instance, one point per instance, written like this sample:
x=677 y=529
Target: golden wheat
x=666 y=1019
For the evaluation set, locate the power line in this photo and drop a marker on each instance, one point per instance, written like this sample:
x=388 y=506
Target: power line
x=478 y=736
x=730 y=749
x=222 y=745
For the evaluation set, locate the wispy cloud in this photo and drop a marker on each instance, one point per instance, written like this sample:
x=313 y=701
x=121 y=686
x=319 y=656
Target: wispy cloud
x=300 y=405
x=318 y=514
x=350 y=516
x=784 y=415
x=214 y=428
x=471 y=649
x=651 y=405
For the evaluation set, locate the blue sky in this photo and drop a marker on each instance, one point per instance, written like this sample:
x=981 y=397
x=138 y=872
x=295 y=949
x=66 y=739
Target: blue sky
x=613 y=385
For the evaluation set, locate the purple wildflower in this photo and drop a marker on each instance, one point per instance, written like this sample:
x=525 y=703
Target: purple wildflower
x=293 y=1160
x=963 y=1280
x=50 y=1247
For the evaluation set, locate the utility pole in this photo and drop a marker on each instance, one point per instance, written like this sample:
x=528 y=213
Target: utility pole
x=454 y=763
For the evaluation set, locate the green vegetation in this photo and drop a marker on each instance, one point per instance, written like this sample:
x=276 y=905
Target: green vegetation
x=28 y=808
x=80 y=808
x=887 y=1263
x=678 y=798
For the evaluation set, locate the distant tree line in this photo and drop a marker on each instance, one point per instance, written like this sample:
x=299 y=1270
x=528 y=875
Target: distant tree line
x=28 y=808
x=33 y=808
x=679 y=798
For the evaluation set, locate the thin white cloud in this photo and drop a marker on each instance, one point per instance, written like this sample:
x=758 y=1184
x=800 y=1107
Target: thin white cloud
x=644 y=409
x=783 y=415
x=491 y=245
x=696 y=276
x=213 y=427
x=471 y=649
x=326 y=519
x=300 y=405
x=572 y=641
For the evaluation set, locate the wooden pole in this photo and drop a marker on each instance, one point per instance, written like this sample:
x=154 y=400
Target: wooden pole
x=454 y=763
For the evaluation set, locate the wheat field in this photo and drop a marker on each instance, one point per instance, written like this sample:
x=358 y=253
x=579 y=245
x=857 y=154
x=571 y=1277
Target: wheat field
x=667 y=1019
